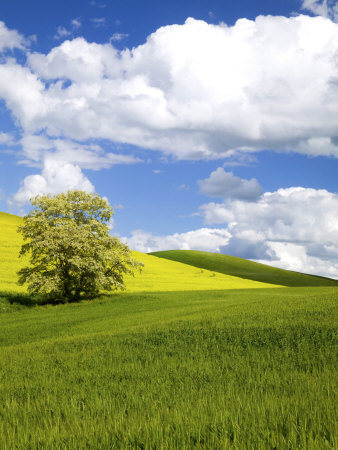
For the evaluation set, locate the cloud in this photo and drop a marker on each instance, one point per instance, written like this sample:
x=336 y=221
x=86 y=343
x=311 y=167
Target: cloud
x=56 y=177
x=23 y=92
x=10 y=39
x=183 y=187
x=226 y=185
x=61 y=162
x=215 y=213
x=6 y=139
x=116 y=37
x=294 y=228
x=36 y=149
x=247 y=249
x=85 y=65
x=99 y=22
x=76 y=23
x=205 y=239
x=98 y=4
x=62 y=32
x=193 y=91
x=239 y=159
x=325 y=8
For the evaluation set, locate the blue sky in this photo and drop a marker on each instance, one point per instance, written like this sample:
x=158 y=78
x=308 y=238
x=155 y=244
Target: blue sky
x=217 y=133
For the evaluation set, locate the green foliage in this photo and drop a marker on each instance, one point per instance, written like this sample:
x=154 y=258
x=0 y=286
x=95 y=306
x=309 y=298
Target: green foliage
x=71 y=251
x=245 y=369
x=242 y=268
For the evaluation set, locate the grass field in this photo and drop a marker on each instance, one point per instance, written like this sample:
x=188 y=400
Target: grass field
x=167 y=369
x=232 y=369
x=238 y=267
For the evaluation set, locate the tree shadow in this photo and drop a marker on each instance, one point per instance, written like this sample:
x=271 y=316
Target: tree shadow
x=33 y=300
x=24 y=299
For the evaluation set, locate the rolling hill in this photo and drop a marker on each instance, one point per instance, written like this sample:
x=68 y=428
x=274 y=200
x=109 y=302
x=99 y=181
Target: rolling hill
x=186 y=368
x=242 y=268
x=157 y=275
x=173 y=270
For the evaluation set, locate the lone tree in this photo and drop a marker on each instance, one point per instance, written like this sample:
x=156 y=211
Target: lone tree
x=71 y=251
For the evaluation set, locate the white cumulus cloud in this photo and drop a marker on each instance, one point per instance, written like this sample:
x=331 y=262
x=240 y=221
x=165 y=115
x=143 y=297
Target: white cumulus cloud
x=62 y=162
x=117 y=37
x=325 y=8
x=76 y=23
x=36 y=149
x=205 y=239
x=294 y=228
x=10 y=39
x=56 y=177
x=63 y=32
x=194 y=91
x=226 y=185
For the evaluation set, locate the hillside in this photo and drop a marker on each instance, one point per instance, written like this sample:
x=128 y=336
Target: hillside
x=249 y=270
x=167 y=369
x=10 y=243
x=157 y=275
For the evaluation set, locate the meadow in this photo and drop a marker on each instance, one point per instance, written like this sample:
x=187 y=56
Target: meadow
x=251 y=367
x=210 y=369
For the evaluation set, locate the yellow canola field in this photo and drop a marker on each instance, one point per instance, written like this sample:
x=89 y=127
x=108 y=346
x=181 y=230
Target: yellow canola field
x=158 y=274
x=10 y=244
x=164 y=275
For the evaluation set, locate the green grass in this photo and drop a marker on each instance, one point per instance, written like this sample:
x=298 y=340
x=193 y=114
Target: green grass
x=238 y=267
x=215 y=369
x=181 y=360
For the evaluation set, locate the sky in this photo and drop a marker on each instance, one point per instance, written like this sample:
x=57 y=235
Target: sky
x=207 y=124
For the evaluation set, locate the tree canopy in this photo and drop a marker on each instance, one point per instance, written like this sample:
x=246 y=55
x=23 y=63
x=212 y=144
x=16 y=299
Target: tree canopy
x=71 y=251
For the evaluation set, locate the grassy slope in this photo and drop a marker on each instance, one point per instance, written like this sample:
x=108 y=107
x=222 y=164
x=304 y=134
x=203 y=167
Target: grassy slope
x=10 y=244
x=246 y=369
x=174 y=276
x=243 y=268
x=158 y=275
x=201 y=369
